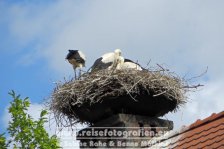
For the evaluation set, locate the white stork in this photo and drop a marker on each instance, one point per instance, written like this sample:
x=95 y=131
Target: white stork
x=77 y=59
x=128 y=64
x=107 y=61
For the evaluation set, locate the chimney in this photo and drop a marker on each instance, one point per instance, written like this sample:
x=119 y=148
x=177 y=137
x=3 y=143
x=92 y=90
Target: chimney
x=123 y=131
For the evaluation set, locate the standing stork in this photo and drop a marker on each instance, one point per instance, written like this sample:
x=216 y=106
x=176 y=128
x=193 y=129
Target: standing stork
x=77 y=59
x=107 y=61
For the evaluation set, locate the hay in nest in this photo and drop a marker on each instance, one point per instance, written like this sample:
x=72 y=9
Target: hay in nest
x=99 y=95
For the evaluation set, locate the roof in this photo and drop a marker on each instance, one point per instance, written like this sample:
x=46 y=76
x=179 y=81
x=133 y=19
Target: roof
x=206 y=133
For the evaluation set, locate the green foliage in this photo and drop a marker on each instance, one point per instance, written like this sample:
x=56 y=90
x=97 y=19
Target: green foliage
x=2 y=142
x=25 y=132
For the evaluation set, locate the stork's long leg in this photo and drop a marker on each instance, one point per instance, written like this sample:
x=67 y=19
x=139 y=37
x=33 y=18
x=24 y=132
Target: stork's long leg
x=80 y=72
x=75 y=74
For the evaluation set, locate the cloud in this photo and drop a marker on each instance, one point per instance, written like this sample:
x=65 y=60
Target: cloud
x=201 y=105
x=157 y=30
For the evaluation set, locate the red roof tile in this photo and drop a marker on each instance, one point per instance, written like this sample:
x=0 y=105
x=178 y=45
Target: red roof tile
x=207 y=133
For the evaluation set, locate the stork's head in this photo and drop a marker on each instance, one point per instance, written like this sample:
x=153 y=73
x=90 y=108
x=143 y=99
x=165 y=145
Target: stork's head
x=117 y=52
x=70 y=54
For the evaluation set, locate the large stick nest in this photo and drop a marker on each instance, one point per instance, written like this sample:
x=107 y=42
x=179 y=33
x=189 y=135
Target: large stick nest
x=96 y=96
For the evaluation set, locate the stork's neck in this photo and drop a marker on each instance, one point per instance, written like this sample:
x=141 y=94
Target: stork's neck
x=115 y=61
x=120 y=62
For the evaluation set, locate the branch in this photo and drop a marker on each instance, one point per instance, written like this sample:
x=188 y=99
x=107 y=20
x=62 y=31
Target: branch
x=203 y=73
x=193 y=86
x=163 y=69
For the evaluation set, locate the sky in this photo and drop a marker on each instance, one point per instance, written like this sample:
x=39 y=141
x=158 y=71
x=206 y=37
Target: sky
x=185 y=36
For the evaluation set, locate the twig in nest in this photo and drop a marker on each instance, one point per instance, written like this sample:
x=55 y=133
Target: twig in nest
x=203 y=73
x=159 y=94
x=147 y=65
x=128 y=92
x=163 y=69
x=193 y=86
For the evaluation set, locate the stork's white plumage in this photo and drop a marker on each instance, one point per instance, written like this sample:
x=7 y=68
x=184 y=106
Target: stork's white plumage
x=107 y=61
x=77 y=59
x=128 y=64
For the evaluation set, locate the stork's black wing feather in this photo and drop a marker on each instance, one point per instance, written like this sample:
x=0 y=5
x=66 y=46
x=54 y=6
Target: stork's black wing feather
x=74 y=54
x=78 y=58
x=128 y=60
x=98 y=65
x=71 y=54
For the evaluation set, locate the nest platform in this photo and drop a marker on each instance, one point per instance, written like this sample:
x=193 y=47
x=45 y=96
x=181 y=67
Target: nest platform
x=97 y=96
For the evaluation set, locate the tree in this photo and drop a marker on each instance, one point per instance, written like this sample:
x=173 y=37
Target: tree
x=25 y=132
x=2 y=142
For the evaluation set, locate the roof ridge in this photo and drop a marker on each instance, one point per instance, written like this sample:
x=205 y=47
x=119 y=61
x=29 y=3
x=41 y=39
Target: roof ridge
x=196 y=137
x=203 y=131
x=209 y=119
x=196 y=124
